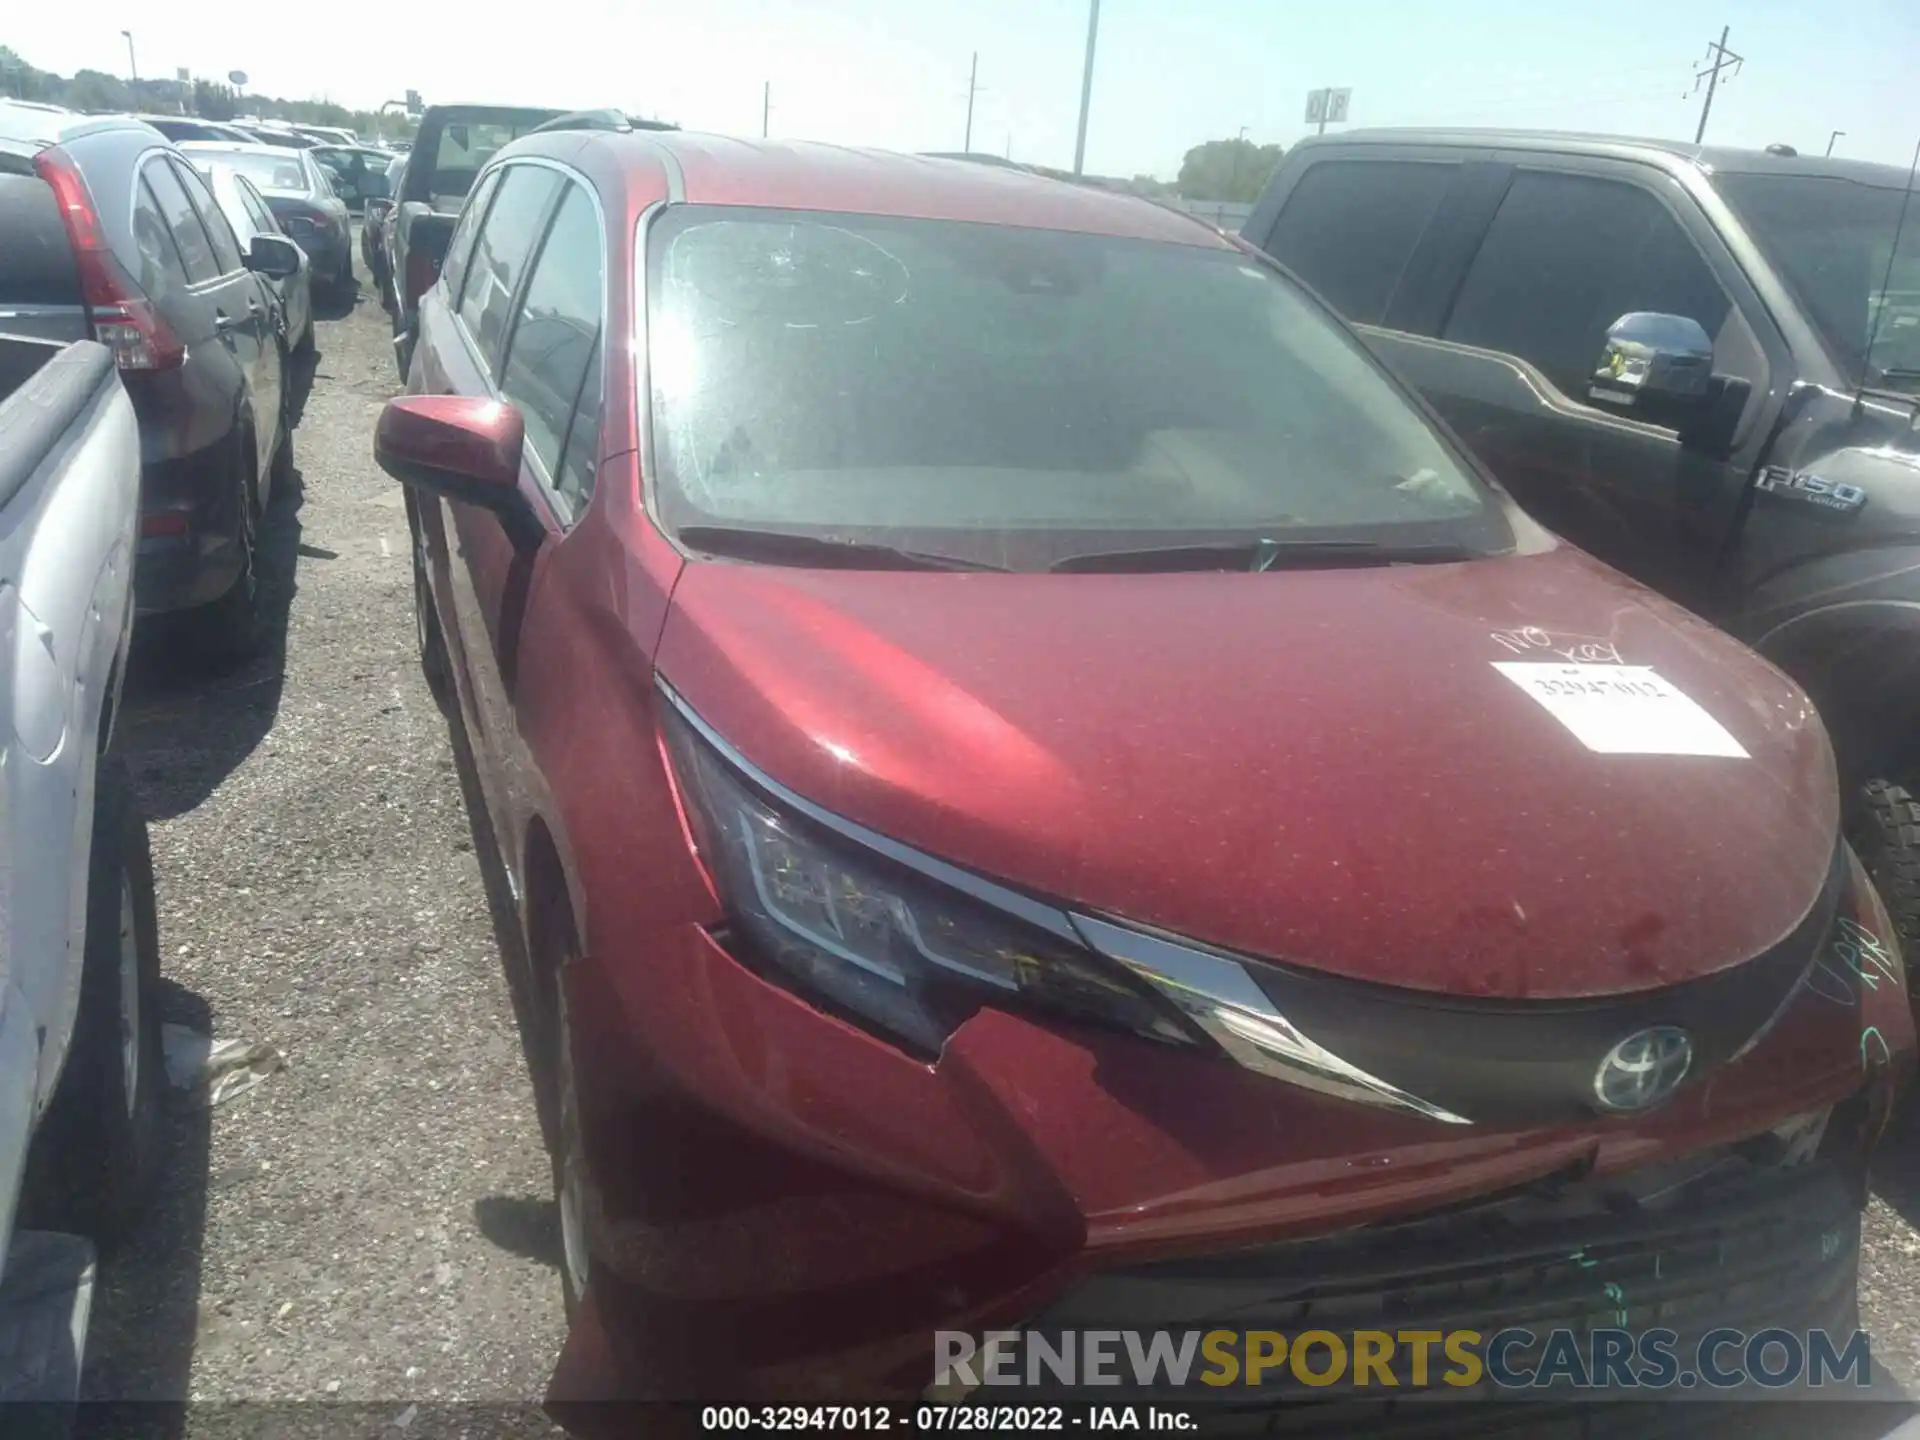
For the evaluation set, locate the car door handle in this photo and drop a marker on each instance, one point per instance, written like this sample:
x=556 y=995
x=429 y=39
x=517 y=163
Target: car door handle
x=255 y=309
x=223 y=322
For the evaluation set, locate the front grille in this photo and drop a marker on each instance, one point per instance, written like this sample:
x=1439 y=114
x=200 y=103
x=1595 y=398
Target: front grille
x=1691 y=1247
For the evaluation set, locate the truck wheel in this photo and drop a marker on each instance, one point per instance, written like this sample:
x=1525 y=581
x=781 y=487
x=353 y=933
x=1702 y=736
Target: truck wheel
x=1885 y=831
x=99 y=1142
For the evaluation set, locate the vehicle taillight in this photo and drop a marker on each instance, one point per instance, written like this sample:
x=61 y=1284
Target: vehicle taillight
x=423 y=269
x=124 y=319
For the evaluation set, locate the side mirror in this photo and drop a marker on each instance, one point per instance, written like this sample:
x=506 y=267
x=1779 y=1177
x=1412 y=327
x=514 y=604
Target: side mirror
x=459 y=446
x=273 y=256
x=1659 y=363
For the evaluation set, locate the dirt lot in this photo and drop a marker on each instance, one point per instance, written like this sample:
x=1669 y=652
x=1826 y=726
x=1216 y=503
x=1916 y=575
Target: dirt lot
x=375 y=1223
x=376 y=1220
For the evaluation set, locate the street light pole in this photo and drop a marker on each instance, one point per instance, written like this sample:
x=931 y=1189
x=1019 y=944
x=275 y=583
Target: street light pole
x=1833 y=137
x=1086 y=88
x=973 y=86
x=133 y=71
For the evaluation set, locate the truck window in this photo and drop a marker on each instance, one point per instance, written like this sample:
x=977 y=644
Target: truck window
x=1349 y=227
x=513 y=224
x=1565 y=257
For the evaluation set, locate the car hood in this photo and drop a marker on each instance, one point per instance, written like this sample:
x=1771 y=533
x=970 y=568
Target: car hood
x=1321 y=767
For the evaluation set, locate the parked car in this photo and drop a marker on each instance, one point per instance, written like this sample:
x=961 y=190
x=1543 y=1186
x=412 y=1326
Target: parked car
x=1669 y=355
x=451 y=145
x=181 y=127
x=29 y=120
x=358 y=173
x=298 y=193
x=276 y=133
x=328 y=134
x=160 y=279
x=80 y=1069
x=1019 y=817
x=250 y=215
x=373 y=230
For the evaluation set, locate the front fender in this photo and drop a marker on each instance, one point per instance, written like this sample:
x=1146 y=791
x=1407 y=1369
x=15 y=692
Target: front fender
x=1847 y=629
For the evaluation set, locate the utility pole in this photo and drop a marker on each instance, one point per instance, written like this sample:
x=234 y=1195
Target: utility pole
x=1722 y=59
x=973 y=86
x=766 y=107
x=133 y=70
x=1833 y=137
x=1086 y=87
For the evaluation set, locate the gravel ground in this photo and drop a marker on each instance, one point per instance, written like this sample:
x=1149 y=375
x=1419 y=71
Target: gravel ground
x=374 y=1222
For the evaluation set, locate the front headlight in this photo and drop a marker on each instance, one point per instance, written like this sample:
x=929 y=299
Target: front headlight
x=881 y=944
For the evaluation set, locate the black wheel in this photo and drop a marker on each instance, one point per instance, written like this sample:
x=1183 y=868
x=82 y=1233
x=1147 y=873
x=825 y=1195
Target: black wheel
x=98 y=1146
x=1884 y=827
x=344 y=281
x=229 y=630
x=426 y=626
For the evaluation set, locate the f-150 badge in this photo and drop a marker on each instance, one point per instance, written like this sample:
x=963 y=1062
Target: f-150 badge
x=1811 y=489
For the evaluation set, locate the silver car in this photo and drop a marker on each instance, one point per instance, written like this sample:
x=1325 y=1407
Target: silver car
x=249 y=214
x=301 y=198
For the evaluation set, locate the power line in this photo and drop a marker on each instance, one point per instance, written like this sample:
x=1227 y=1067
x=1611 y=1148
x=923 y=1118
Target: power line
x=1722 y=59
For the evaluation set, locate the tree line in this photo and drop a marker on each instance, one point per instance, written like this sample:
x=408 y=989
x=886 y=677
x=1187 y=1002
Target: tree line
x=95 y=91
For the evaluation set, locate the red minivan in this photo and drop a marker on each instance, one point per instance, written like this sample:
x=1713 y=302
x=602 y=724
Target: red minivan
x=1042 y=787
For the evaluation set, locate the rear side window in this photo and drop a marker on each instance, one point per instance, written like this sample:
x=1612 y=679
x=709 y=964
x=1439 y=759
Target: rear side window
x=1350 y=226
x=189 y=235
x=226 y=249
x=1566 y=256
x=500 y=255
x=555 y=344
x=160 y=270
x=460 y=244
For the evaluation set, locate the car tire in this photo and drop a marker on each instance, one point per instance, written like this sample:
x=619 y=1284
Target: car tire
x=230 y=629
x=303 y=347
x=1884 y=828
x=98 y=1146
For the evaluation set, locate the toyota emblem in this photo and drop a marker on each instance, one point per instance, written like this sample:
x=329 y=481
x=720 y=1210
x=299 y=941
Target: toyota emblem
x=1643 y=1069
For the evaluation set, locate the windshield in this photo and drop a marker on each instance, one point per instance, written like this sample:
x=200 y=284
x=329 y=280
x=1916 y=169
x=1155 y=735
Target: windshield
x=1015 y=397
x=1829 y=239
x=282 y=172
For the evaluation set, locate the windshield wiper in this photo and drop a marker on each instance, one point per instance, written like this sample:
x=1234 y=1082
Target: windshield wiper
x=1259 y=555
x=784 y=547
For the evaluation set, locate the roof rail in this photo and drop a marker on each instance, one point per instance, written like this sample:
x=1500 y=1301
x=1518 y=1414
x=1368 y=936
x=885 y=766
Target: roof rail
x=617 y=121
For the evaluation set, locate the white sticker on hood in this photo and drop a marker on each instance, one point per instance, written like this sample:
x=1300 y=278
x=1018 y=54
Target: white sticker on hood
x=1622 y=709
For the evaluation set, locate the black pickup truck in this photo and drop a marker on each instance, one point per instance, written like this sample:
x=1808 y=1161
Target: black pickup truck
x=451 y=146
x=1701 y=365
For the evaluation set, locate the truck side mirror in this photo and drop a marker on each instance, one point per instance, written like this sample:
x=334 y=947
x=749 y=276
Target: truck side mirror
x=1660 y=366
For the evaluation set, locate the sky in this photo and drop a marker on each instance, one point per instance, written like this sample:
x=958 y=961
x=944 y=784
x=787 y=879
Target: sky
x=1168 y=73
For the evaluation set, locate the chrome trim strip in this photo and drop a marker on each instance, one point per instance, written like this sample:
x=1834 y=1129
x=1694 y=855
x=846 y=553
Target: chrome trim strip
x=1222 y=999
